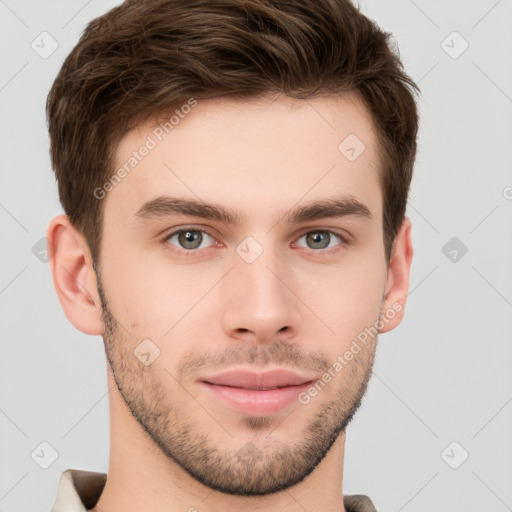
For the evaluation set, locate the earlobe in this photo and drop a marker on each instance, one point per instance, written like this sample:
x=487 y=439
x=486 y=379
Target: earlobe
x=73 y=275
x=397 y=286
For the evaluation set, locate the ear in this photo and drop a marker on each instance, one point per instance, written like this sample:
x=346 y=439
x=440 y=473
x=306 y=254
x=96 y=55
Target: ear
x=397 y=286
x=73 y=275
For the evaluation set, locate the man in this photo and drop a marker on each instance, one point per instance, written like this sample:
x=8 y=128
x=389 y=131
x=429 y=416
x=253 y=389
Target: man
x=235 y=178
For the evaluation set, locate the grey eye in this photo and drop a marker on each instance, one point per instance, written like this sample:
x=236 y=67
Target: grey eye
x=188 y=239
x=320 y=239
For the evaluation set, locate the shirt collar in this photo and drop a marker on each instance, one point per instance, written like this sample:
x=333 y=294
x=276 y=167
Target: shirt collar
x=80 y=490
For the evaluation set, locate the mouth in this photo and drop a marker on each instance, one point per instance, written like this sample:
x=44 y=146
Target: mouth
x=256 y=394
x=258 y=388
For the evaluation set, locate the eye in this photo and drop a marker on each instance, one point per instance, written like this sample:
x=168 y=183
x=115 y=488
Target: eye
x=188 y=239
x=321 y=239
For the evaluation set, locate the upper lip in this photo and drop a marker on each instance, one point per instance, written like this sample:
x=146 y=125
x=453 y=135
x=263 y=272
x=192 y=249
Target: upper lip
x=253 y=380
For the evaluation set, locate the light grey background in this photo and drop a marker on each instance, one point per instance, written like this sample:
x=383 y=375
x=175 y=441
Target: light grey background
x=442 y=376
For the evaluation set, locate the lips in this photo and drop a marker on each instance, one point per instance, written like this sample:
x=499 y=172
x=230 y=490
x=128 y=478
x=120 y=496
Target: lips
x=272 y=379
x=256 y=394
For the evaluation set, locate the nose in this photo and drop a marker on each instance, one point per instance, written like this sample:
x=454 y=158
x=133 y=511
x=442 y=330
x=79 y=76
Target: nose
x=258 y=301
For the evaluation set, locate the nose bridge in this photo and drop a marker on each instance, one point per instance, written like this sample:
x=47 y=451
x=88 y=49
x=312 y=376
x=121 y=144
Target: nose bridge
x=260 y=300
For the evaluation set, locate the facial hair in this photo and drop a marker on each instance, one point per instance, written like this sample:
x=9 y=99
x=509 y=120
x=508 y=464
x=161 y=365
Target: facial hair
x=251 y=470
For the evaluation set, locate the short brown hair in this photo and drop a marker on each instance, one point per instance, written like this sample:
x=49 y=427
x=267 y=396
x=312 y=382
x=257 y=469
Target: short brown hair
x=144 y=58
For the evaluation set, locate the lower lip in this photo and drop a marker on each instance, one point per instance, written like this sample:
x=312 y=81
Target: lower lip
x=254 y=402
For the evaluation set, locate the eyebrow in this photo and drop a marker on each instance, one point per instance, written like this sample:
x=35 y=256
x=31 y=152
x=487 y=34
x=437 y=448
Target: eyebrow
x=338 y=207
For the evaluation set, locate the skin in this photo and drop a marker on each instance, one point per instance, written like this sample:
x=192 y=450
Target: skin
x=174 y=447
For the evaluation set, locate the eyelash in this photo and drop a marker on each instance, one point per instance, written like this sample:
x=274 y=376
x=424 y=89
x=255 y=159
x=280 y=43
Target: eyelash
x=187 y=252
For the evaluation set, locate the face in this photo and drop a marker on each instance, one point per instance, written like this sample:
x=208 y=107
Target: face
x=188 y=295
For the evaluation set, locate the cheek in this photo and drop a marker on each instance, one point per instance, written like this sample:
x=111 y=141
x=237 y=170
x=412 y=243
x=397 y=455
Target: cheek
x=141 y=299
x=346 y=299
x=166 y=304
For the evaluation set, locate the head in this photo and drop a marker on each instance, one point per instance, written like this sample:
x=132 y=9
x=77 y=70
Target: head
x=285 y=134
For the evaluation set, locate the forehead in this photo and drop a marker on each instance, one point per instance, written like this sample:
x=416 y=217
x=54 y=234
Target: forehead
x=255 y=156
